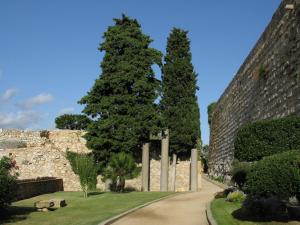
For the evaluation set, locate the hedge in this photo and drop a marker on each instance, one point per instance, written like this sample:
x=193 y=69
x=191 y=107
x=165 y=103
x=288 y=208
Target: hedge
x=277 y=175
x=264 y=138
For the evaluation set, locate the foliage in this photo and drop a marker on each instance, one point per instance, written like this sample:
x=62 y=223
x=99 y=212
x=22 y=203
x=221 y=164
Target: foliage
x=8 y=184
x=239 y=173
x=268 y=137
x=264 y=206
x=84 y=166
x=204 y=158
x=277 y=175
x=236 y=196
x=210 y=110
x=220 y=179
x=231 y=213
x=45 y=134
x=262 y=72
x=179 y=102
x=72 y=122
x=122 y=100
x=121 y=166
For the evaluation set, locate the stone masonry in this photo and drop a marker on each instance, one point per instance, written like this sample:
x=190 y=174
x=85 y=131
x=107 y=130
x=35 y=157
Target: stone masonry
x=44 y=155
x=266 y=86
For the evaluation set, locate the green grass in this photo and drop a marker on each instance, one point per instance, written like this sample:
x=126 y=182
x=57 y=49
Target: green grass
x=222 y=213
x=96 y=208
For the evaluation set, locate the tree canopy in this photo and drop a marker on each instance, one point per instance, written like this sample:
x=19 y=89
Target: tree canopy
x=179 y=102
x=72 y=122
x=122 y=100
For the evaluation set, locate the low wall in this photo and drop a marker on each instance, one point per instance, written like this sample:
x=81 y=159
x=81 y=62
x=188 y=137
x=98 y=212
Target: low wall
x=31 y=188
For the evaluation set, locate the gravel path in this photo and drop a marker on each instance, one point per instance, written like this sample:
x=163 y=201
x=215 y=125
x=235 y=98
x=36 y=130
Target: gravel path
x=183 y=209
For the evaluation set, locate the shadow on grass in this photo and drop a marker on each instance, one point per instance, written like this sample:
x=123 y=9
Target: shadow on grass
x=244 y=215
x=15 y=213
x=95 y=193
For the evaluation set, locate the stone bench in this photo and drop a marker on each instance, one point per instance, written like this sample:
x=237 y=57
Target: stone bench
x=45 y=205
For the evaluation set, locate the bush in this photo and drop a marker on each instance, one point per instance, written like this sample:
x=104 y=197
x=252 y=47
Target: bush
x=87 y=172
x=277 y=175
x=8 y=184
x=121 y=166
x=262 y=207
x=84 y=166
x=239 y=173
x=264 y=138
x=236 y=196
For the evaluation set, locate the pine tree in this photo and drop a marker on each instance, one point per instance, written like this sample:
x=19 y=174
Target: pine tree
x=122 y=98
x=179 y=102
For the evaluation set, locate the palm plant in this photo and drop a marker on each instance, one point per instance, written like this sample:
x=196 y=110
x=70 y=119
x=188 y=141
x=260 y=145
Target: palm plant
x=121 y=166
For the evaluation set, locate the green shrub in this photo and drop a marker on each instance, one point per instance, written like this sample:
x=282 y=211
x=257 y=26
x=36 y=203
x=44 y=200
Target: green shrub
x=8 y=184
x=236 y=196
x=87 y=172
x=84 y=166
x=277 y=175
x=239 y=173
x=264 y=207
x=120 y=167
x=263 y=138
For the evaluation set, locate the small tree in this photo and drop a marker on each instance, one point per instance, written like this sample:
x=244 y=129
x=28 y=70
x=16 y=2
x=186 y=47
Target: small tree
x=87 y=172
x=121 y=166
x=72 y=122
x=8 y=184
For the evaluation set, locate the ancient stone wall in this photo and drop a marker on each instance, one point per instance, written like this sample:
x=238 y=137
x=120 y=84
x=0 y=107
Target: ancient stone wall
x=44 y=155
x=266 y=86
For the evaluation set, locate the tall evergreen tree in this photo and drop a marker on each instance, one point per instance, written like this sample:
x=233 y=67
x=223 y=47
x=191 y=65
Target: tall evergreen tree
x=122 y=98
x=179 y=101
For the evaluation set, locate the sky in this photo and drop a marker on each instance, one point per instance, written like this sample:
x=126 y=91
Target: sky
x=49 y=54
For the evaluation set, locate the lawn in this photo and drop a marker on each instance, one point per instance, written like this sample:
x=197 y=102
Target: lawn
x=96 y=208
x=222 y=213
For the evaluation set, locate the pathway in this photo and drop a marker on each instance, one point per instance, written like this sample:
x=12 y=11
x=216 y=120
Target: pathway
x=183 y=209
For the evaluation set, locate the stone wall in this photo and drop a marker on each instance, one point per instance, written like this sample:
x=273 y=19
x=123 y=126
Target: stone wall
x=266 y=86
x=45 y=156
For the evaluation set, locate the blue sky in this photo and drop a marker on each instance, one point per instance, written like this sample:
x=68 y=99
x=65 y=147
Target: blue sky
x=49 y=57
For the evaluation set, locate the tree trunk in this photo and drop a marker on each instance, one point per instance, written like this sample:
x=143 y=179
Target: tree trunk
x=173 y=176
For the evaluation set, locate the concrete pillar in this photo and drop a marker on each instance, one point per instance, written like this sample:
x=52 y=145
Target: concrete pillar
x=173 y=173
x=145 y=167
x=164 y=168
x=108 y=183
x=194 y=170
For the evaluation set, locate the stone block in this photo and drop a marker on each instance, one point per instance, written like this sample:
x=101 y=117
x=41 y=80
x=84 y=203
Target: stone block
x=58 y=203
x=43 y=204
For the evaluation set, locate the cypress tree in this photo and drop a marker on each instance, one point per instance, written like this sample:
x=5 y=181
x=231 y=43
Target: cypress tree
x=122 y=98
x=179 y=102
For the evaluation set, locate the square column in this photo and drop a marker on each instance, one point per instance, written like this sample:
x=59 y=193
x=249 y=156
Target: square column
x=194 y=170
x=164 y=162
x=145 y=167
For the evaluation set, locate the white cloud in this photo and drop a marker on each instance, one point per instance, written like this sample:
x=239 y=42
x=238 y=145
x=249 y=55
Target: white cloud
x=8 y=94
x=68 y=110
x=19 y=120
x=37 y=100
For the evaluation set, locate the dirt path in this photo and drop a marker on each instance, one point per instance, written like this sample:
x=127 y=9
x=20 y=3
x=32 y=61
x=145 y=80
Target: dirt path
x=183 y=209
